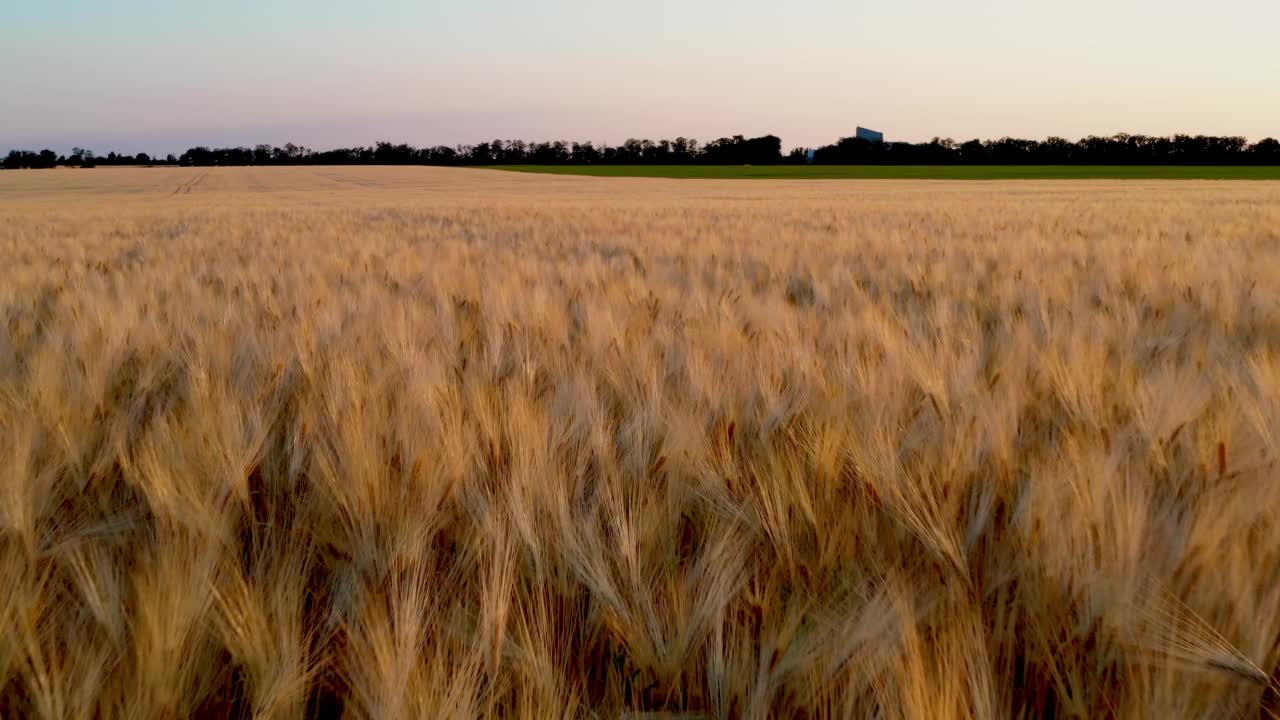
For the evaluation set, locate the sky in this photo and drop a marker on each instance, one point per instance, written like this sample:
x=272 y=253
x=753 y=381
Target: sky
x=152 y=76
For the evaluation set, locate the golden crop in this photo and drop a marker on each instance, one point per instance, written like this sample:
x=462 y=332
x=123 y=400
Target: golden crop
x=423 y=443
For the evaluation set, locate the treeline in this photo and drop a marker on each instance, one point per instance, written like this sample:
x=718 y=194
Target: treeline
x=79 y=157
x=735 y=150
x=1120 y=149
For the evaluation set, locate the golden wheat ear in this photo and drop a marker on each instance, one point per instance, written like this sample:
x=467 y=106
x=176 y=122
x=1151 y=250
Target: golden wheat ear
x=1163 y=630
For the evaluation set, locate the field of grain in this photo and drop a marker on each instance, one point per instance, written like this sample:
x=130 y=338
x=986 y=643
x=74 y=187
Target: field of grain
x=916 y=172
x=429 y=443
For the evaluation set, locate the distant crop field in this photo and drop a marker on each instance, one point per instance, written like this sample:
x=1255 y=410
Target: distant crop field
x=912 y=172
x=415 y=442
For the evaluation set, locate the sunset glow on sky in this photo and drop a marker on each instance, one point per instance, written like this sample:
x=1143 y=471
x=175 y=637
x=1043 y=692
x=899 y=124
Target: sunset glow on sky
x=136 y=75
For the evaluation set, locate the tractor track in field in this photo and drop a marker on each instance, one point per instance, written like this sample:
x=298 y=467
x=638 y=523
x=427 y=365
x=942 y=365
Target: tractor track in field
x=185 y=187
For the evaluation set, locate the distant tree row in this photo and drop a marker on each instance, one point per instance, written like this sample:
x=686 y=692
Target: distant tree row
x=79 y=157
x=736 y=150
x=1120 y=149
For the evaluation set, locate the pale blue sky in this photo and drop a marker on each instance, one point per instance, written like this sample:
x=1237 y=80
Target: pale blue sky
x=145 y=75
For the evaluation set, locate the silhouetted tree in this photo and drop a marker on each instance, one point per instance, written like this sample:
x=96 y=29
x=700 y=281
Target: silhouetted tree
x=20 y=159
x=81 y=157
x=738 y=150
x=849 y=151
x=584 y=154
x=1265 y=152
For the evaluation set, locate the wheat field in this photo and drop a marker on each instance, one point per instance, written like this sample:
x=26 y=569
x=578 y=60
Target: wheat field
x=443 y=443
